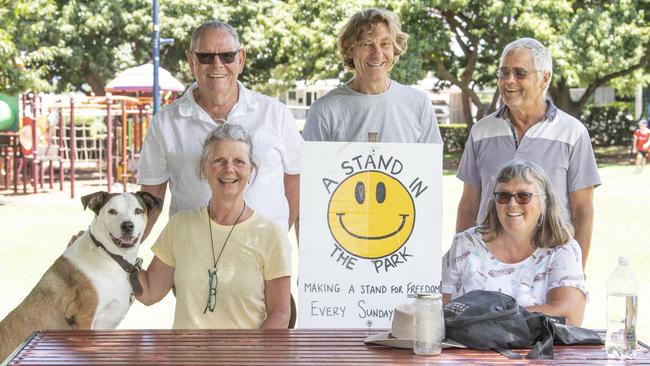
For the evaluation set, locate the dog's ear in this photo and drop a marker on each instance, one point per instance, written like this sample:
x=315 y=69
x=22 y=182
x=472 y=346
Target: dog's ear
x=149 y=201
x=95 y=201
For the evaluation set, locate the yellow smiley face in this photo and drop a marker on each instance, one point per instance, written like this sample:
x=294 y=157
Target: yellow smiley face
x=371 y=214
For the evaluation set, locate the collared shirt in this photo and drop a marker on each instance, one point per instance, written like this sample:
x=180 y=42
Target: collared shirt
x=560 y=144
x=173 y=144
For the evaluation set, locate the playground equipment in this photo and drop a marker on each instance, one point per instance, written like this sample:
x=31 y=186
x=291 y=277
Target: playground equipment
x=73 y=144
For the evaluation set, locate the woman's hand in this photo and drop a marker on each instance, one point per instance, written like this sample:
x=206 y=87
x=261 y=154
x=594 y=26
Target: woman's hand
x=277 y=296
x=156 y=282
x=565 y=301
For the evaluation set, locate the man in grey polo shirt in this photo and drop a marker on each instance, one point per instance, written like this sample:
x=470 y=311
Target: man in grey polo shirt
x=529 y=127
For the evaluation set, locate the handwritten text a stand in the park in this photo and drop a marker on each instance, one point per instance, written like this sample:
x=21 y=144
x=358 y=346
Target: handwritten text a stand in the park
x=370 y=228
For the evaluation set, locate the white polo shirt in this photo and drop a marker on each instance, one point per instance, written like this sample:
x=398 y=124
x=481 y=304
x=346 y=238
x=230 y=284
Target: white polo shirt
x=172 y=149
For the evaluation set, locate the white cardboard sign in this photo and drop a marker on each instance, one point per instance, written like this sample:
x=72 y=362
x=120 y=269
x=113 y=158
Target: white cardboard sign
x=370 y=230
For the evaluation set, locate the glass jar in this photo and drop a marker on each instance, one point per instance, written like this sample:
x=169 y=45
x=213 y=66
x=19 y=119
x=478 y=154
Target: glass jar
x=428 y=324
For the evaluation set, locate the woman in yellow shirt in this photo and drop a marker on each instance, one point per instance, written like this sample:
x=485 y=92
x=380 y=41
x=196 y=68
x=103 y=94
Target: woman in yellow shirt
x=229 y=264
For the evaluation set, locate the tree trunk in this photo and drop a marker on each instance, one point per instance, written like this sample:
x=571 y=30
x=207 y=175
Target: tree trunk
x=495 y=99
x=467 y=108
x=561 y=94
x=96 y=83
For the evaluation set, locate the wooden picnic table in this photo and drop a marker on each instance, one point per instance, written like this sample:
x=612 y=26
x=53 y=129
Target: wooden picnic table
x=258 y=347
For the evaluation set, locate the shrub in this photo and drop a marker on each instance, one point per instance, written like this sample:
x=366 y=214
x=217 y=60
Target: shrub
x=609 y=125
x=454 y=136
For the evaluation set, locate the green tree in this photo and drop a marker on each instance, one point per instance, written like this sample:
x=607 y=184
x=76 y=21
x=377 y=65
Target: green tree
x=109 y=36
x=459 y=41
x=25 y=61
x=591 y=44
x=62 y=45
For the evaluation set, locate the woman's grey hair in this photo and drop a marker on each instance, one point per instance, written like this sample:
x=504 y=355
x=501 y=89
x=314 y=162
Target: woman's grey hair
x=541 y=57
x=217 y=25
x=360 y=26
x=225 y=132
x=552 y=229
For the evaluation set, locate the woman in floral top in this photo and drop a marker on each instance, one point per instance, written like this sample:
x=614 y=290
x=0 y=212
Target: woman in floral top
x=524 y=248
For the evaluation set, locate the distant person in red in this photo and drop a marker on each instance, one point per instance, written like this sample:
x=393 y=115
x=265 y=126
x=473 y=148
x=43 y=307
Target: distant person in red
x=641 y=144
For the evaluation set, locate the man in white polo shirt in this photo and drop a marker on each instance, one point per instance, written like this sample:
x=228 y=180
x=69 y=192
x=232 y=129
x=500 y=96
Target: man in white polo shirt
x=172 y=147
x=529 y=127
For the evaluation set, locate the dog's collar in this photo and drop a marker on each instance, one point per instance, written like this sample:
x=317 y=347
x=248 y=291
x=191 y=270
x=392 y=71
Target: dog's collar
x=131 y=269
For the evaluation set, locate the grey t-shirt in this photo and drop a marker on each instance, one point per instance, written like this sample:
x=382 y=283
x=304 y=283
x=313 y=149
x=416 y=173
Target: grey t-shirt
x=400 y=114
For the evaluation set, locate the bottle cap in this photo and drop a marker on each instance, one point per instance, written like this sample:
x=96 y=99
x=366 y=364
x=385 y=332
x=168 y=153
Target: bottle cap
x=623 y=259
x=428 y=296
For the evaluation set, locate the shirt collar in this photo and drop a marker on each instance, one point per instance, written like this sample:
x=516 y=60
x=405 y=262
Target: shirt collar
x=188 y=106
x=550 y=115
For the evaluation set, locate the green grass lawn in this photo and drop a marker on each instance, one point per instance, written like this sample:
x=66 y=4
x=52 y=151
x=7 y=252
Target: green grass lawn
x=36 y=228
x=621 y=226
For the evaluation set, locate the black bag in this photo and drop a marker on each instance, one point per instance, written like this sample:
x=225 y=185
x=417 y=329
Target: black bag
x=489 y=320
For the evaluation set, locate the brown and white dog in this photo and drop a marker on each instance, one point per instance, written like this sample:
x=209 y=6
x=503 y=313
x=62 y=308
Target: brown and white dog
x=90 y=285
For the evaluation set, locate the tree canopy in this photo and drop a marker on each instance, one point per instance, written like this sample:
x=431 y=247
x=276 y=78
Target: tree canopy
x=54 y=45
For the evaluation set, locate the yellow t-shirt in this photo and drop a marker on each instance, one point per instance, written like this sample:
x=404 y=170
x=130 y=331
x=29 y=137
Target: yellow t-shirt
x=257 y=251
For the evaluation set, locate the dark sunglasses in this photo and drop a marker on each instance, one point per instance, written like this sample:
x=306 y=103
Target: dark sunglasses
x=520 y=73
x=522 y=198
x=207 y=58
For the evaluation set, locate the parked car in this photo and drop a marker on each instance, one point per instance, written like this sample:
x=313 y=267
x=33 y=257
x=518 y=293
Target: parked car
x=441 y=109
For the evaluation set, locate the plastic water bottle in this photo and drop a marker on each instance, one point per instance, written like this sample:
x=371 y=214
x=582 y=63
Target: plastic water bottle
x=620 y=342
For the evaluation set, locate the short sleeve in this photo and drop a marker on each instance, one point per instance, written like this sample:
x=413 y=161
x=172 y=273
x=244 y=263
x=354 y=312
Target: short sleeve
x=468 y=169
x=316 y=128
x=429 y=123
x=292 y=142
x=163 y=248
x=451 y=274
x=566 y=268
x=277 y=260
x=152 y=164
x=583 y=170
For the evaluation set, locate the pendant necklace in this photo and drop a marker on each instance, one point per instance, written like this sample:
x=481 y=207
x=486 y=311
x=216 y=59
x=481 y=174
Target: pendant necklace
x=213 y=280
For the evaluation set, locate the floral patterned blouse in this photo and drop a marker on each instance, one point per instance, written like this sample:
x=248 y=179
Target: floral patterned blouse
x=469 y=265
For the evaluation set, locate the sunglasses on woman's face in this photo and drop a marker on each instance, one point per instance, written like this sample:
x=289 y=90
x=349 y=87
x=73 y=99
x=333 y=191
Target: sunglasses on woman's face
x=207 y=58
x=522 y=198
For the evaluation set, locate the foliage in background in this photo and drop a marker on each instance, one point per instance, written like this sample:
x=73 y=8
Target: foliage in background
x=592 y=43
x=610 y=125
x=460 y=41
x=53 y=45
x=64 y=45
x=24 y=59
x=454 y=136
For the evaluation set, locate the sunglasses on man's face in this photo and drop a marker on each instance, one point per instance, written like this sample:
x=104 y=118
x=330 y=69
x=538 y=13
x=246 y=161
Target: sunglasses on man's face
x=207 y=58
x=522 y=198
x=519 y=72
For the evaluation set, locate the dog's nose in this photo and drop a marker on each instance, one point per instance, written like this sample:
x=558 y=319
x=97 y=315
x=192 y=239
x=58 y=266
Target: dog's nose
x=127 y=227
